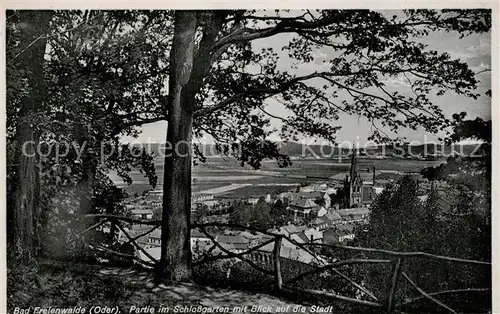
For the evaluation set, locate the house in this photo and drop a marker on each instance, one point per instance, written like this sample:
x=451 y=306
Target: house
x=346 y=229
x=333 y=218
x=326 y=221
x=199 y=243
x=300 y=237
x=268 y=199
x=156 y=204
x=201 y=197
x=325 y=198
x=303 y=208
x=156 y=192
x=321 y=212
x=141 y=213
x=289 y=251
x=252 y=200
x=319 y=197
x=314 y=235
x=315 y=187
x=199 y=239
x=211 y=204
x=291 y=229
x=142 y=241
x=234 y=243
x=154 y=238
x=351 y=215
x=319 y=223
x=338 y=234
x=423 y=198
x=285 y=196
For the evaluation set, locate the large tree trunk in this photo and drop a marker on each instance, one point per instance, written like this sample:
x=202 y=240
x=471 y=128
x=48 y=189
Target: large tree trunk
x=175 y=262
x=85 y=192
x=24 y=214
x=85 y=187
x=23 y=218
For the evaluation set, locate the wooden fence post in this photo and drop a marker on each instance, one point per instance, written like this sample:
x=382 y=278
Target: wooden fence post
x=277 y=264
x=396 y=273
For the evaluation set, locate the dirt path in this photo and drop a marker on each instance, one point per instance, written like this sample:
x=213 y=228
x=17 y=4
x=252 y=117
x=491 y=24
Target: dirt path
x=192 y=298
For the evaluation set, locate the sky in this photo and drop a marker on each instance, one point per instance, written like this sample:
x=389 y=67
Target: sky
x=474 y=49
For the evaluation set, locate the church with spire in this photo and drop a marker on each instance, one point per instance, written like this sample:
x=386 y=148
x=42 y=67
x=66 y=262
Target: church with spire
x=355 y=187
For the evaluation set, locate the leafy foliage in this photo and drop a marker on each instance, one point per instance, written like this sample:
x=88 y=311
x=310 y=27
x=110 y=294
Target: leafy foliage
x=369 y=48
x=447 y=223
x=477 y=165
x=252 y=152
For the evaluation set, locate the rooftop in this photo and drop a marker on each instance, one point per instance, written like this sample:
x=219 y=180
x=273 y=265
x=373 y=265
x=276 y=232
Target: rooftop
x=353 y=211
x=198 y=234
x=303 y=237
x=317 y=221
x=348 y=228
x=291 y=228
x=233 y=239
x=304 y=203
x=291 y=251
x=333 y=216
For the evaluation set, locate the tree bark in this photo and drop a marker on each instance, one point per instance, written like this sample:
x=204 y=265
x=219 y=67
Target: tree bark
x=85 y=188
x=24 y=214
x=175 y=261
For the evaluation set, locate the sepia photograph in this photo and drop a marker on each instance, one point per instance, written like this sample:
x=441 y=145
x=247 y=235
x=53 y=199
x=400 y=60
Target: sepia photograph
x=258 y=160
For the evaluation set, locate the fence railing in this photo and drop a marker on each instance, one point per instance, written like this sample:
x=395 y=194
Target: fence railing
x=394 y=258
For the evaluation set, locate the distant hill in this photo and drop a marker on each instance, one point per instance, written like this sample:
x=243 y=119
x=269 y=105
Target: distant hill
x=298 y=149
x=294 y=149
x=427 y=149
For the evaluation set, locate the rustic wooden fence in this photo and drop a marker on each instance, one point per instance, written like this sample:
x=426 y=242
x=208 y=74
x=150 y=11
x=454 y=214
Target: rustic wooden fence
x=395 y=259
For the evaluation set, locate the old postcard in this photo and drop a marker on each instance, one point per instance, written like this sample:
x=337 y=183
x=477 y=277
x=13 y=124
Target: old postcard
x=310 y=158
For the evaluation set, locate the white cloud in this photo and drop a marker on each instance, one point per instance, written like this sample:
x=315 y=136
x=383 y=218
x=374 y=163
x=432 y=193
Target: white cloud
x=481 y=67
x=400 y=80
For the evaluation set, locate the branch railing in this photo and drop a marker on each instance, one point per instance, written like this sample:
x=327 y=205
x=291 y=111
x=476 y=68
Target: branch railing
x=117 y=221
x=395 y=259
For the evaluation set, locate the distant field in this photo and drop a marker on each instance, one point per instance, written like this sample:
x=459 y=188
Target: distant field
x=197 y=187
x=268 y=180
x=136 y=188
x=139 y=188
x=256 y=191
x=225 y=178
x=221 y=172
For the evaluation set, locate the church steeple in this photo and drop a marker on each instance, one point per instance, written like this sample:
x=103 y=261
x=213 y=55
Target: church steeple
x=353 y=171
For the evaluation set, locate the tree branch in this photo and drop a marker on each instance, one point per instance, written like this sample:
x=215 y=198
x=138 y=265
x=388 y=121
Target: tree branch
x=428 y=296
x=271 y=115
